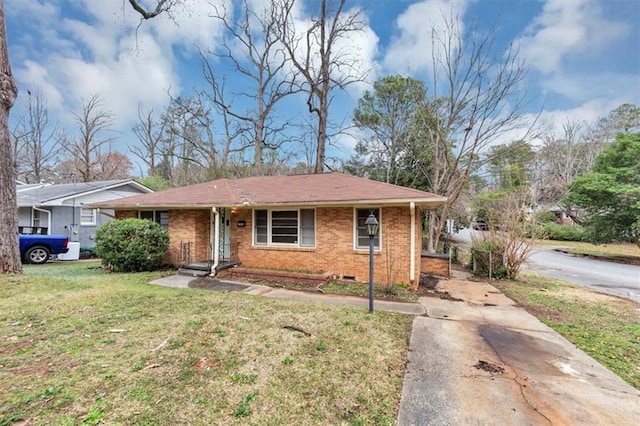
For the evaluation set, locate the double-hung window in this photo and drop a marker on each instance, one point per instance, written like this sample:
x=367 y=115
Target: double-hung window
x=161 y=217
x=361 y=234
x=87 y=217
x=285 y=227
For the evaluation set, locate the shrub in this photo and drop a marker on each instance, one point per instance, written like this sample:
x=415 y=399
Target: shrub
x=554 y=231
x=480 y=250
x=88 y=253
x=132 y=245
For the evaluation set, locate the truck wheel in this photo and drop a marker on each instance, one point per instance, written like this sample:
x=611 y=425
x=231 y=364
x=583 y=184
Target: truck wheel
x=37 y=255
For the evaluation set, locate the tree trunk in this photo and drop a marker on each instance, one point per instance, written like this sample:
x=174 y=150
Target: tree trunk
x=9 y=246
x=322 y=140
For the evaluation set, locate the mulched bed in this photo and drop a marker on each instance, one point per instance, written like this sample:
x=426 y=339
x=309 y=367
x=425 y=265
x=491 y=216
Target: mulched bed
x=273 y=281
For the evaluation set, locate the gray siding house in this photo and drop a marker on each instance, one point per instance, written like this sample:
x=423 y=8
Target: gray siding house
x=60 y=208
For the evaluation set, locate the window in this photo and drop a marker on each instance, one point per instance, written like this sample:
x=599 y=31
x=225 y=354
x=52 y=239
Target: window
x=285 y=227
x=87 y=217
x=362 y=237
x=261 y=226
x=36 y=218
x=160 y=217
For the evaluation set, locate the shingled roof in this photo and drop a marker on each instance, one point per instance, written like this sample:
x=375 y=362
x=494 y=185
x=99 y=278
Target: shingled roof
x=313 y=189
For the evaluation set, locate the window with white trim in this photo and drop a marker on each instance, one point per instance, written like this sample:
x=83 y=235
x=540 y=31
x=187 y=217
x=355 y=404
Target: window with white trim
x=36 y=218
x=161 y=217
x=361 y=234
x=284 y=227
x=87 y=217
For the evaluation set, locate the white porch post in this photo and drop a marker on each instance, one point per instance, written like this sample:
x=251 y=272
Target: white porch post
x=412 y=272
x=216 y=240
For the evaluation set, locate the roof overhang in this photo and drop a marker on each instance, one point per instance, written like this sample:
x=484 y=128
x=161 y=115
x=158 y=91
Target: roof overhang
x=423 y=203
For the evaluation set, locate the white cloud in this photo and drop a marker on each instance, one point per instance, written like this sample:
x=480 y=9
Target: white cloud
x=411 y=51
x=34 y=75
x=190 y=24
x=566 y=28
x=109 y=54
x=610 y=86
x=125 y=82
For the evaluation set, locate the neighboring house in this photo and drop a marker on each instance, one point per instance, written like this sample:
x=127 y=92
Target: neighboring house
x=297 y=223
x=561 y=215
x=46 y=208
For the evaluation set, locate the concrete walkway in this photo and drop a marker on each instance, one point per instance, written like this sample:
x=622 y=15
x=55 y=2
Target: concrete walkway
x=484 y=361
x=179 y=281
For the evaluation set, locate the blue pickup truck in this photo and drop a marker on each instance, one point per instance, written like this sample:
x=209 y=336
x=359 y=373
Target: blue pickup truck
x=39 y=248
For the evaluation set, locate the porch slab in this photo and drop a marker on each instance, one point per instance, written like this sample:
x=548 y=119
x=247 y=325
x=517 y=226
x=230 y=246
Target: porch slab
x=174 y=281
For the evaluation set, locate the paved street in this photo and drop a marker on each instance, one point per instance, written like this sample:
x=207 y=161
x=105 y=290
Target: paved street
x=615 y=278
x=609 y=277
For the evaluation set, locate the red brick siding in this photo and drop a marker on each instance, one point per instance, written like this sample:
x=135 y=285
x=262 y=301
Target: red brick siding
x=435 y=266
x=334 y=251
x=126 y=214
x=189 y=226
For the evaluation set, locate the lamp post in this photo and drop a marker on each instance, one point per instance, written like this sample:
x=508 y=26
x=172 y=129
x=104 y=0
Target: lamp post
x=372 y=229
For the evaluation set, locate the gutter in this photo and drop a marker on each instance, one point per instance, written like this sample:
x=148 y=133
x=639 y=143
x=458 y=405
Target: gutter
x=429 y=204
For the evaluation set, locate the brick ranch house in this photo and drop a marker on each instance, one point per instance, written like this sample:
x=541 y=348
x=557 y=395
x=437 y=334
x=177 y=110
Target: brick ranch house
x=298 y=222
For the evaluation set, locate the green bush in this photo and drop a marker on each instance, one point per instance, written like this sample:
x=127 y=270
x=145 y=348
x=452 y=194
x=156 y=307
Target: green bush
x=88 y=253
x=554 y=231
x=480 y=259
x=132 y=245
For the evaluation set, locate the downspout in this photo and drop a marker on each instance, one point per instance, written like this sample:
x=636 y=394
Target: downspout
x=216 y=241
x=412 y=272
x=48 y=218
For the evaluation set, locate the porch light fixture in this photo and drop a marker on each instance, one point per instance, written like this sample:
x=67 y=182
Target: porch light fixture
x=372 y=229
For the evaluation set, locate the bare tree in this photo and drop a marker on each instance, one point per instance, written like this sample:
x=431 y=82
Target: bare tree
x=516 y=234
x=37 y=140
x=9 y=248
x=91 y=143
x=253 y=50
x=321 y=64
x=476 y=99
x=561 y=159
x=149 y=132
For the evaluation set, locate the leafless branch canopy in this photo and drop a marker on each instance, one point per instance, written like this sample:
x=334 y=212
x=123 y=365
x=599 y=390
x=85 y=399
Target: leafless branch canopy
x=161 y=6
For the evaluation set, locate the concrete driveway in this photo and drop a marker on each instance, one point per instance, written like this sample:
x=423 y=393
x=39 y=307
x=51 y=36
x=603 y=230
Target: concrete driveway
x=483 y=361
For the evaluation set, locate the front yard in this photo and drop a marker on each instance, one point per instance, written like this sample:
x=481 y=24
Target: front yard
x=78 y=345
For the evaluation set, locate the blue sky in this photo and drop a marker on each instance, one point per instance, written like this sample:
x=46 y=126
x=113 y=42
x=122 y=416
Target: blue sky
x=584 y=55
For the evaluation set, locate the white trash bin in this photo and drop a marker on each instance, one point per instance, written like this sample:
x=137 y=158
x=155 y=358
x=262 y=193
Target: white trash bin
x=72 y=254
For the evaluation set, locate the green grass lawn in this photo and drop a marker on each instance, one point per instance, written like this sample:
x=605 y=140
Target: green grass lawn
x=606 y=327
x=583 y=248
x=83 y=346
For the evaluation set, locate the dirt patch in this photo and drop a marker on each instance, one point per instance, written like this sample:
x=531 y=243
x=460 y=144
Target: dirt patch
x=489 y=367
x=428 y=287
x=202 y=365
x=18 y=346
x=550 y=314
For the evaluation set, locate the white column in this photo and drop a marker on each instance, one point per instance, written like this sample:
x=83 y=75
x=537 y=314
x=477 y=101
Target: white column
x=412 y=272
x=216 y=241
